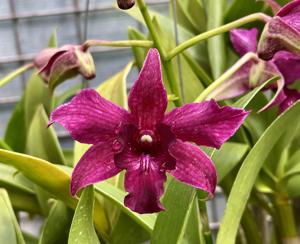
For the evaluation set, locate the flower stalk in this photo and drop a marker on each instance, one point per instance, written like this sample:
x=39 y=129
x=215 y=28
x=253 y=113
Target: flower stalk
x=285 y=220
x=205 y=94
x=122 y=43
x=15 y=73
x=216 y=31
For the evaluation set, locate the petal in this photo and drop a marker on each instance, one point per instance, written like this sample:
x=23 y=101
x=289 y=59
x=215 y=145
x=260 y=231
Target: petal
x=205 y=123
x=289 y=66
x=193 y=166
x=244 y=40
x=148 y=98
x=236 y=85
x=290 y=14
x=96 y=164
x=89 y=117
x=145 y=186
x=291 y=97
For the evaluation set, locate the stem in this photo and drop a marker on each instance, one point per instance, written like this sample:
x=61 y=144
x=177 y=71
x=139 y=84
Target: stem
x=204 y=218
x=219 y=30
x=285 y=220
x=15 y=73
x=123 y=43
x=225 y=76
x=156 y=39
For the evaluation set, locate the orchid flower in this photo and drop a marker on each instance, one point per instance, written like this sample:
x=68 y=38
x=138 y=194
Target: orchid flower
x=282 y=32
x=146 y=142
x=256 y=72
x=59 y=64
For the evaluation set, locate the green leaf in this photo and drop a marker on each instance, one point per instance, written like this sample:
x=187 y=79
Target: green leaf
x=41 y=172
x=82 y=228
x=61 y=98
x=216 y=45
x=36 y=93
x=3 y=145
x=171 y=224
x=117 y=196
x=10 y=231
x=229 y=155
x=52 y=42
x=42 y=141
x=16 y=133
x=248 y=172
x=57 y=225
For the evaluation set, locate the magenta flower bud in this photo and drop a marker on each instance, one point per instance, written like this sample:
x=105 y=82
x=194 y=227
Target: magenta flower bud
x=56 y=65
x=282 y=32
x=125 y=4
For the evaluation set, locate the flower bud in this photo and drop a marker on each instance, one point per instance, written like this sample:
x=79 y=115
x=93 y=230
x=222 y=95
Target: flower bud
x=125 y=4
x=56 y=65
x=282 y=32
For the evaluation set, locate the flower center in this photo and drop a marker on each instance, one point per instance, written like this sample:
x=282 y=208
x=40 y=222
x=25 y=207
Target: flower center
x=146 y=139
x=117 y=146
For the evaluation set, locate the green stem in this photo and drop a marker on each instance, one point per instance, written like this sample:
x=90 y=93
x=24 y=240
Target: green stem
x=15 y=73
x=225 y=76
x=285 y=220
x=123 y=43
x=216 y=31
x=204 y=218
x=156 y=39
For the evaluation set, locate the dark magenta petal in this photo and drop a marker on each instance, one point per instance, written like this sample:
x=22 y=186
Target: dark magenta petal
x=244 y=40
x=205 y=123
x=290 y=14
x=95 y=165
x=145 y=185
x=148 y=98
x=193 y=166
x=89 y=117
x=291 y=97
x=288 y=65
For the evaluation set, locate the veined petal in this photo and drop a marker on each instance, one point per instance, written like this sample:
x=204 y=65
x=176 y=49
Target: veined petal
x=205 y=123
x=288 y=65
x=193 y=167
x=244 y=40
x=96 y=164
x=290 y=14
x=145 y=185
x=148 y=98
x=89 y=117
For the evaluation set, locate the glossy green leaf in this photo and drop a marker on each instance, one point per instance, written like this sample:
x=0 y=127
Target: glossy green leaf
x=42 y=141
x=171 y=224
x=41 y=172
x=248 y=172
x=229 y=155
x=216 y=45
x=16 y=133
x=56 y=226
x=82 y=227
x=117 y=197
x=10 y=231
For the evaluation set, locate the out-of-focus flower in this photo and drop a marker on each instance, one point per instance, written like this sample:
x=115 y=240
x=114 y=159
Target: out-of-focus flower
x=125 y=4
x=146 y=142
x=256 y=72
x=282 y=32
x=55 y=65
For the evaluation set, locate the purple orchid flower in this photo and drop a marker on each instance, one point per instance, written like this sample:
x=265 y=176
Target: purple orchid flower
x=58 y=64
x=282 y=32
x=256 y=72
x=146 y=142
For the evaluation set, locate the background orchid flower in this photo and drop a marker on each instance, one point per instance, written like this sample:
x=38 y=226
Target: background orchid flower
x=282 y=32
x=146 y=142
x=255 y=72
x=55 y=65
